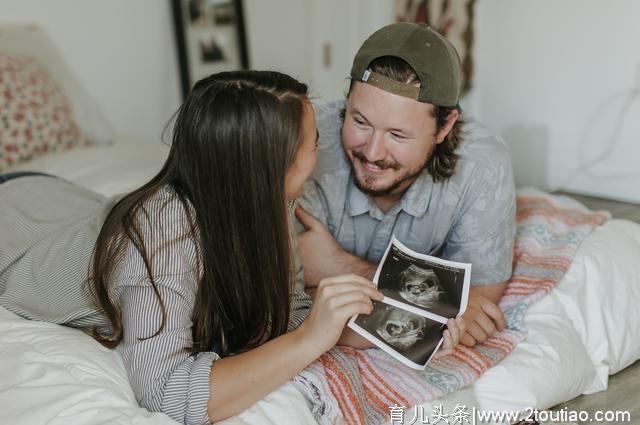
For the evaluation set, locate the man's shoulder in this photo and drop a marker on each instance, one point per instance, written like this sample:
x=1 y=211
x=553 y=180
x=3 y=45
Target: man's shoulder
x=481 y=153
x=332 y=162
x=480 y=144
x=483 y=168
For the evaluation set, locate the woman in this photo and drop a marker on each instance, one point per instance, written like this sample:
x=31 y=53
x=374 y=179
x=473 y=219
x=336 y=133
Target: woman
x=195 y=271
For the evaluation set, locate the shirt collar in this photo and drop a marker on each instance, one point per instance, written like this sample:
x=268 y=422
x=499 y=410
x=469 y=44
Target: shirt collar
x=416 y=199
x=360 y=203
x=414 y=202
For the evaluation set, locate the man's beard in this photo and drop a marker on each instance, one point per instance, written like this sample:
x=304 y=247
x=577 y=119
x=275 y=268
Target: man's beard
x=383 y=165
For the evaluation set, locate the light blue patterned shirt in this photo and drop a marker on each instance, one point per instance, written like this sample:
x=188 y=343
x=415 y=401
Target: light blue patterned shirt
x=468 y=218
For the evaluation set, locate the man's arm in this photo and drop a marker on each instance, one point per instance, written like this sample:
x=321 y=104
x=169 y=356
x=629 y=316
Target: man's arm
x=483 y=235
x=492 y=292
x=322 y=256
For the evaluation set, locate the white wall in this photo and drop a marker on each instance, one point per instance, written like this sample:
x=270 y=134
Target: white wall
x=341 y=26
x=291 y=36
x=553 y=77
x=121 y=51
x=279 y=36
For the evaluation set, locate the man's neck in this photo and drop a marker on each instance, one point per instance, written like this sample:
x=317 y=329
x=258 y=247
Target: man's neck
x=386 y=202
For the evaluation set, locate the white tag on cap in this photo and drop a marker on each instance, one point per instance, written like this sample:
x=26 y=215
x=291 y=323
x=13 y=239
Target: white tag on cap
x=365 y=75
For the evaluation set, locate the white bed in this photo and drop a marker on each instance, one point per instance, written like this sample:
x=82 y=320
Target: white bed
x=579 y=334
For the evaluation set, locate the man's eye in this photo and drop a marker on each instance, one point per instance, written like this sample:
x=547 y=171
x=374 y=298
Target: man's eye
x=359 y=121
x=398 y=136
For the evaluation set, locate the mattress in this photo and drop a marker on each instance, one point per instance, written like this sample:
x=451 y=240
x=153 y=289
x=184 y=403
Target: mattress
x=579 y=334
x=108 y=169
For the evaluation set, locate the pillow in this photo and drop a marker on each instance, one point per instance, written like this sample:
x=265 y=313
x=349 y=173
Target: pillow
x=30 y=40
x=57 y=375
x=35 y=115
x=600 y=294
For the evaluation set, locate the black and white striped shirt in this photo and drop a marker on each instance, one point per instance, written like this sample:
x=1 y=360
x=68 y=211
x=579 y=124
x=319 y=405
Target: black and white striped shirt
x=164 y=374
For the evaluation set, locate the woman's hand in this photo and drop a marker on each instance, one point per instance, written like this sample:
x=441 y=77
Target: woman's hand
x=240 y=380
x=336 y=300
x=453 y=333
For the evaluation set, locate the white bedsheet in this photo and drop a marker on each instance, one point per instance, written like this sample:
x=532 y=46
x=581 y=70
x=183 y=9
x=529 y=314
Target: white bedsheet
x=106 y=169
x=586 y=329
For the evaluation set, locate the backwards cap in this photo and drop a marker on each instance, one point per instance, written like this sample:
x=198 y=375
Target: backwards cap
x=432 y=57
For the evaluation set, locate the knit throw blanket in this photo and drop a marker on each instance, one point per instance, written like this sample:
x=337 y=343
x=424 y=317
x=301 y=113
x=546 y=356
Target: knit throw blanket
x=347 y=385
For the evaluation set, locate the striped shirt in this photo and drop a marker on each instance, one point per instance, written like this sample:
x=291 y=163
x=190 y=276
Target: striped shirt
x=164 y=374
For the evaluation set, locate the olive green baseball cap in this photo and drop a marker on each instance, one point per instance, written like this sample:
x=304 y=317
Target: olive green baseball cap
x=432 y=57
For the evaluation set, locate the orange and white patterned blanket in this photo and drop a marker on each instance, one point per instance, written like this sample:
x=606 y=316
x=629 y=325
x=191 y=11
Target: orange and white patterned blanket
x=347 y=385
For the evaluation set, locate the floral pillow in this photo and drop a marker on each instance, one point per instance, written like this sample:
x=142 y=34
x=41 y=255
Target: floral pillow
x=35 y=115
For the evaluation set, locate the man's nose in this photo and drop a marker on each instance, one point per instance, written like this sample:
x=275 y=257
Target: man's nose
x=375 y=150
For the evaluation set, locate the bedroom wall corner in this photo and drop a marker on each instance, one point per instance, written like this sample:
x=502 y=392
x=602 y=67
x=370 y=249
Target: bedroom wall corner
x=122 y=53
x=569 y=67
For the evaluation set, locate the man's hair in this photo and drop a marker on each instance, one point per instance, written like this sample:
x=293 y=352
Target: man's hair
x=442 y=163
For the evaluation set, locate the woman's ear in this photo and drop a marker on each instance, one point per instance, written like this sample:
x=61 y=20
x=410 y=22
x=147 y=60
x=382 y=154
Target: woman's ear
x=446 y=129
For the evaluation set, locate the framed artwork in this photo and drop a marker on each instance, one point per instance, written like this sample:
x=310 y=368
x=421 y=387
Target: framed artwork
x=451 y=18
x=210 y=35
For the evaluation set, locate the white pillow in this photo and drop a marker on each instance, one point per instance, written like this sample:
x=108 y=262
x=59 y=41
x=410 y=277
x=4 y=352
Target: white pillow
x=601 y=293
x=55 y=375
x=549 y=367
x=30 y=40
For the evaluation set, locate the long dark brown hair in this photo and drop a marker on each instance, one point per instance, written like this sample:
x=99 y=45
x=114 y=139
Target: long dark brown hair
x=442 y=163
x=234 y=138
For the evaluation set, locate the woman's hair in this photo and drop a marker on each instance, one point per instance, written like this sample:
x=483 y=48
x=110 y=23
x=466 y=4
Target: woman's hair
x=442 y=163
x=234 y=138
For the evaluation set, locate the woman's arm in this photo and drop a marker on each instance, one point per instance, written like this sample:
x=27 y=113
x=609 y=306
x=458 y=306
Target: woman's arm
x=192 y=388
x=239 y=381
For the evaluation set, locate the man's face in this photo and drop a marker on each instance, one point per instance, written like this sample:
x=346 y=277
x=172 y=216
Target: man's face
x=388 y=139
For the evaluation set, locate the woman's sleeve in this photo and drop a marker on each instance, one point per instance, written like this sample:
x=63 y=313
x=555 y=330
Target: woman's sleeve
x=165 y=375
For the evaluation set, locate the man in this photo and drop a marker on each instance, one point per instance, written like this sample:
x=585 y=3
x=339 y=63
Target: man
x=395 y=159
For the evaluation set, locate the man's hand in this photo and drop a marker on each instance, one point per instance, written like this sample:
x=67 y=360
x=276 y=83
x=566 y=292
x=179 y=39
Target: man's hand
x=453 y=333
x=482 y=317
x=322 y=256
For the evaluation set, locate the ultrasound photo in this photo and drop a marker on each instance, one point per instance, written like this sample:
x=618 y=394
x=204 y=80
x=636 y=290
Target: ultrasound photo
x=413 y=337
x=421 y=293
x=422 y=283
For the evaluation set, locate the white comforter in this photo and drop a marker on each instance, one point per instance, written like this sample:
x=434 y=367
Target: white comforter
x=579 y=334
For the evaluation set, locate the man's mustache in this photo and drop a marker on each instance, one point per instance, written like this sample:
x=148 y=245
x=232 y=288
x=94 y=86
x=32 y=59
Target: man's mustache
x=380 y=164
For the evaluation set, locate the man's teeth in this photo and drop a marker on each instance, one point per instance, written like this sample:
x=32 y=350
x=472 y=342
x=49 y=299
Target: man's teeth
x=375 y=167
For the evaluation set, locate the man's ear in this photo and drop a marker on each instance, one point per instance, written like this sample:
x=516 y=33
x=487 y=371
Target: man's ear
x=446 y=129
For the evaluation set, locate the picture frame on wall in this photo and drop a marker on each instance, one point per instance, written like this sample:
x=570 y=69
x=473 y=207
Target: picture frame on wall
x=210 y=36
